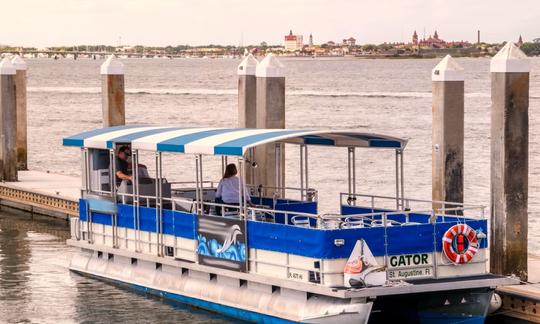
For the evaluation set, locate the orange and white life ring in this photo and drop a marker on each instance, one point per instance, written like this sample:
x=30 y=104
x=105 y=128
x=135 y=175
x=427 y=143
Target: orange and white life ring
x=460 y=243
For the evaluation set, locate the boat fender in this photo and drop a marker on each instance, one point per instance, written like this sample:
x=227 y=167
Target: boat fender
x=495 y=303
x=460 y=243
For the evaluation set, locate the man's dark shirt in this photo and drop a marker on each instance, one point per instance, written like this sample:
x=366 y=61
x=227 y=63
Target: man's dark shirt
x=122 y=166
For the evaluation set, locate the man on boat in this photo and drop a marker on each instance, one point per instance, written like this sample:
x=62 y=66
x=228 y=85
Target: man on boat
x=123 y=169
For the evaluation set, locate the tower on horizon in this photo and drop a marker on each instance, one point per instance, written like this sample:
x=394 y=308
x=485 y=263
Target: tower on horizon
x=520 y=41
x=415 y=38
x=310 y=40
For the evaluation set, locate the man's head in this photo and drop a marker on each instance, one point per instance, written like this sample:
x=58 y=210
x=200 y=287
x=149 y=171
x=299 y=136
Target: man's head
x=124 y=152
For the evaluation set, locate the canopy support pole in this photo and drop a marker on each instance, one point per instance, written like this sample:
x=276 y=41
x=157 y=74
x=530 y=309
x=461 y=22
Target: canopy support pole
x=399 y=180
x=242 y=203
x=279 y=185
x=223 y=164
x=159 y=204
x=198 y=185
x=112 y=185
x=136 y=199
x=302 y=190
x=351 y=164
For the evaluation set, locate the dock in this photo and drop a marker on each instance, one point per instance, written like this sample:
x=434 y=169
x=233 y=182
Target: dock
x=42 y=193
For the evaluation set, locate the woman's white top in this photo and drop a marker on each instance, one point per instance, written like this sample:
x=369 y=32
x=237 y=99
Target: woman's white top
x=228 y=190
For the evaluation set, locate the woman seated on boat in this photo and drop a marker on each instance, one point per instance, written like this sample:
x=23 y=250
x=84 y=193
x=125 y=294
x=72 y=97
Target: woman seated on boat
x=228 y=190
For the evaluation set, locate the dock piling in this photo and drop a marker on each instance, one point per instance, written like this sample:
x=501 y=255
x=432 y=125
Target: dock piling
x=270 y=75
x=8 y=121
x=247 y=104
x=113 y=92
x=509 y=161
x=247 y=92
x=20 y=88
x=447 y=132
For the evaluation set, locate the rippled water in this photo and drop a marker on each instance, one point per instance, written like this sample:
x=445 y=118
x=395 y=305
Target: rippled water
x=37 y=287
x=387 y=96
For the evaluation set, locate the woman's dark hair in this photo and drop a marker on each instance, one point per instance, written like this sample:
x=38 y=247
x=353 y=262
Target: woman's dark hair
x=230 y=171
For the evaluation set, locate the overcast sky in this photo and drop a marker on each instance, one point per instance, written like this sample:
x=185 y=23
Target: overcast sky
x=195 y=22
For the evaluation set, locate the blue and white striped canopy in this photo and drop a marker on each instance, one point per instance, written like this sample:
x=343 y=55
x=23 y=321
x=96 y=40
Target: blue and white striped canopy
x=221 y=141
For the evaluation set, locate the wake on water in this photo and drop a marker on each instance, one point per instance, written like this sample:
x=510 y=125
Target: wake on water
x=233 y=92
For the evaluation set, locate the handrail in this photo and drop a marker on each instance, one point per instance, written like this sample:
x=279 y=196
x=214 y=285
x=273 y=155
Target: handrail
x=409 y=199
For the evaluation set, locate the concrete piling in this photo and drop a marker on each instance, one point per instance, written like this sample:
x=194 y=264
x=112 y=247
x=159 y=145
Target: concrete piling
x=447 y=132
x=247 y=91
x=20 y=87
x=509 y=161
x=270 y=75
x=8 y=121
x=247 y=104
x=113 y=92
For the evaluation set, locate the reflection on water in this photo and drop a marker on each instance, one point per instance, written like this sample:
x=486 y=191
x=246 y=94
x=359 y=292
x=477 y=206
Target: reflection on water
x=37 y=287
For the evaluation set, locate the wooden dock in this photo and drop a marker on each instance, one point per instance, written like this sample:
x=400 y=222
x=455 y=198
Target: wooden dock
x=42 y=193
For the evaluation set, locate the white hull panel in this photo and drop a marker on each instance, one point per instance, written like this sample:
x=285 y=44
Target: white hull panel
x=234 y=297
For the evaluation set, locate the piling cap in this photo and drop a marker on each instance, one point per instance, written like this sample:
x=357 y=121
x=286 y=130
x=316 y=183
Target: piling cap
x=6 y=67
x=510 y=59
x=19 y=63
x=448 y=69
x=112 y=66
x=270 y=67
x=248 y=66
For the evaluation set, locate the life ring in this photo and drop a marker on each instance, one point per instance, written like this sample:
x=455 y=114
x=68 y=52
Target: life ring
x=460 y=243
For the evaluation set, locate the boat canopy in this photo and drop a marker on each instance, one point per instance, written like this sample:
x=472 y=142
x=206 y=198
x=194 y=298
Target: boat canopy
x=222 y=141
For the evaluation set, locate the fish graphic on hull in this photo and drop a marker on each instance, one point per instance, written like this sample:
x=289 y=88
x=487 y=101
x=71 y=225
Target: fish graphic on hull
x=222 y=242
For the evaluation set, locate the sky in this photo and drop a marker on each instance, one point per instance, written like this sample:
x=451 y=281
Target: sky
x=44 y=23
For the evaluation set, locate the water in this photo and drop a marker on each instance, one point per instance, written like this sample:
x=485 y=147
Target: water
x=37 y=287
x=388 y=96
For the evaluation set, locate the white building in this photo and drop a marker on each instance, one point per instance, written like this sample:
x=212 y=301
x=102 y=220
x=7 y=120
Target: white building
x=293 y=42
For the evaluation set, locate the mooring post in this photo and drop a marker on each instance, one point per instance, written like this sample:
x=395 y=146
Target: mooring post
x=447 y=132
x=247 y=93
x=247 y=104
x=509 y=161
x=8 y=121
x=113 y=92
x=20 y=88
x=270 y=114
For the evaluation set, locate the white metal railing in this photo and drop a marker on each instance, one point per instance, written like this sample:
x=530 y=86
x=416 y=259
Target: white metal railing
x=375 y=202
x=304 y=194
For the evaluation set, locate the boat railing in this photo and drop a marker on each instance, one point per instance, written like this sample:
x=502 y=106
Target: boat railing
x=387 y=203
x=384 y=219
x=302 y=194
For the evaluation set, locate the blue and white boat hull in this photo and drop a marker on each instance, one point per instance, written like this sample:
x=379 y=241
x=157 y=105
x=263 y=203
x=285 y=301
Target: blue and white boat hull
x=230 y=296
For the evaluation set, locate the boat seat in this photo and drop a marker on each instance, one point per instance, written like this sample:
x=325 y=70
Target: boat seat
x=357 y=222
x=301 y=221
x=389 y=222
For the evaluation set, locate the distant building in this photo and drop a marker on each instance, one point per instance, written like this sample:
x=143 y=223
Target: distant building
x=436 y=42
x=310 y=40
x=350 y=42
x=330 y=44
x=264 y=44
x=519 y=42
x=293 y=42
